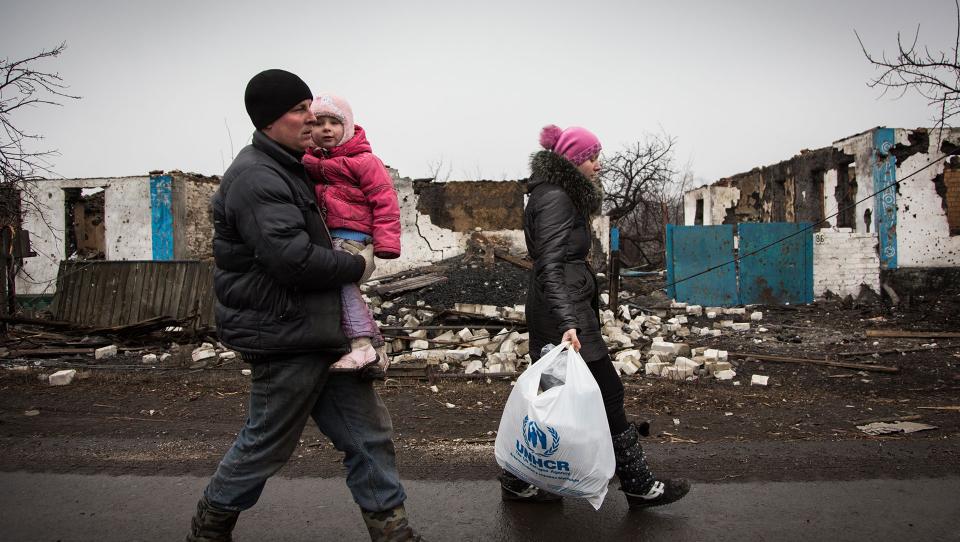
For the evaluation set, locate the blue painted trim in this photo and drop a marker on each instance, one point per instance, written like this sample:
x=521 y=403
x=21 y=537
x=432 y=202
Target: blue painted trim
x=668 y=242
x=614 y=239
x=161 y=212
x=884 y=168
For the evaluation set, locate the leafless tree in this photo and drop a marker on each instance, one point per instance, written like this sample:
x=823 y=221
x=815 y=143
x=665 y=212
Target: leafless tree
x=933 y=75
x=642 y=191
x=23 y=85
x=439 y=170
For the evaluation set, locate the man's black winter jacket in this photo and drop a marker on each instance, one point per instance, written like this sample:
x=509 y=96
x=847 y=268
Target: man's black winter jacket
x=277 y=279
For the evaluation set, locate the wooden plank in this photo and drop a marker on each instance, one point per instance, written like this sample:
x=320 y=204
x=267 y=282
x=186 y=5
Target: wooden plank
x=49 y=352
x=83 y=274
x=131 y=311
x=806 y=361
x=413 y=283
x=509 y=258
x=118 y=285
x=903 y=334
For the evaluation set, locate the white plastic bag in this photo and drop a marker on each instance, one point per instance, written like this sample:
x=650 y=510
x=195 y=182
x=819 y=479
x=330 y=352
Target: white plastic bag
x=558 y=440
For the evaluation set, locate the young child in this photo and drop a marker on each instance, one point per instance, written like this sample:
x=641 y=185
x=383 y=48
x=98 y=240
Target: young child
x=356 y=195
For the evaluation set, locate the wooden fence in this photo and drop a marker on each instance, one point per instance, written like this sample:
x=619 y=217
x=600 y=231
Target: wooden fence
x=113 y=293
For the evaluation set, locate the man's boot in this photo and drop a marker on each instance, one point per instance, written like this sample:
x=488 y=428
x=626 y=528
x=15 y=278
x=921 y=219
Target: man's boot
x=211 y=524
x=642 y=489
x=515 y=489
x=389 y=526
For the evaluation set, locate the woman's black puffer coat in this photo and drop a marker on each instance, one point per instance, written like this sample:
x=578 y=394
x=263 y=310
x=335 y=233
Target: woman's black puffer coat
x=562 y=293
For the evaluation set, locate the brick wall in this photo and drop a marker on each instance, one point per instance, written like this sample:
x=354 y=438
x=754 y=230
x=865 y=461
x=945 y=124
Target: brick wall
x=951 y=178
x=843 y=260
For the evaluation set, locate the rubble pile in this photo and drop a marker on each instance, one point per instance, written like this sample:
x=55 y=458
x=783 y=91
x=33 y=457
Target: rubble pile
x=490 y=341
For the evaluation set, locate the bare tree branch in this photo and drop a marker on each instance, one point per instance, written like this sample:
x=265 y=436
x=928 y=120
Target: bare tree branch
x=22 y=85
x=643 y=191
x=933 y=75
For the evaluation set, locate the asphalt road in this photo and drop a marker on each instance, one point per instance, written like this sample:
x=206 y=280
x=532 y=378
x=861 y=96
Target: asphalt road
x=39 y=507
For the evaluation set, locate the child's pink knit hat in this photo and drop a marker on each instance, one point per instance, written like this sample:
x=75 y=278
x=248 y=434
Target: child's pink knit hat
x=575 y=143
x=328 y=105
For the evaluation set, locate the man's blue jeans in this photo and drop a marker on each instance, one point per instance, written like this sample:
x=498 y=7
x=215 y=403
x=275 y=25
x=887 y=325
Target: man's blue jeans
x=346 y=409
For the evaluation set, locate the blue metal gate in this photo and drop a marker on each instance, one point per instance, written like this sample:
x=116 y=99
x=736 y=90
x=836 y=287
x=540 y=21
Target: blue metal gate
x=776 y=265
x=694 y=249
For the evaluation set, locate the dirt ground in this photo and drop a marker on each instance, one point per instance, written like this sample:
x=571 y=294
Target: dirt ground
x=127 y=418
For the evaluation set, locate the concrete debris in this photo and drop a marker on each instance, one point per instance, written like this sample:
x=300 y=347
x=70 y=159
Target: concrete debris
x=228 y=354
x=883 y=428
x=246 y=372
x=149 y=358
x=759 y=380
x=105 y=352
x=727 y=374
x=204 y=352
x=756 y=316
x=63 y=378
x=473 y=367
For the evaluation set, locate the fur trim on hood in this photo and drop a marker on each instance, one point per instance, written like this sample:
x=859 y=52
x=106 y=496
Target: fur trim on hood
x=551 y=168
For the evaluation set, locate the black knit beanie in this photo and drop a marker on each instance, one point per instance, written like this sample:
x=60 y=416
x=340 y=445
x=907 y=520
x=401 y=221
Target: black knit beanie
x=272 y=93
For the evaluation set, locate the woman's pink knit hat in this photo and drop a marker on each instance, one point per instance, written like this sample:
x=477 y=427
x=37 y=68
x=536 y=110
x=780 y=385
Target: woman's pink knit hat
x=575 y=143
x=329 y=105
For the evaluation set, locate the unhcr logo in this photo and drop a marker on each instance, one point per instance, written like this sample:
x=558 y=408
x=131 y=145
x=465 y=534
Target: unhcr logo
x=536 y=439
x=535 y=447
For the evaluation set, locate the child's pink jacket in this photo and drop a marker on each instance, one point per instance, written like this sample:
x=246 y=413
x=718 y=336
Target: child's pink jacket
x=357 y=192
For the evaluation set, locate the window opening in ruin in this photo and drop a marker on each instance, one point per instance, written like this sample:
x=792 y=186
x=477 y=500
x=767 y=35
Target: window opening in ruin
x=951 y=196
x=85 y=232
x=818 y=199
x=867 y=219
x=846 y=195
x=698 y=215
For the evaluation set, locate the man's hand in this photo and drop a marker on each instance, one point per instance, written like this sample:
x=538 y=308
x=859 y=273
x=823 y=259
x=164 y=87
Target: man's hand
x=571 y=336
x=365 y=252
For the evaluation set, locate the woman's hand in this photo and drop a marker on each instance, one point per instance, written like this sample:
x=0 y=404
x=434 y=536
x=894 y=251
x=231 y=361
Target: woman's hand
x=571 y=335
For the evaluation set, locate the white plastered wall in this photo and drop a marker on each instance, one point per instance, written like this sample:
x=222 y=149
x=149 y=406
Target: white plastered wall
x=422 y=242
x=716 y=201
x=860 y=147
x=843 y=260
x=127 y=224
x=923 y=234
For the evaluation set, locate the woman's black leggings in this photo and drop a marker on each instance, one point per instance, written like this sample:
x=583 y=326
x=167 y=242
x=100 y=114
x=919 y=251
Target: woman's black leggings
x=611 y=388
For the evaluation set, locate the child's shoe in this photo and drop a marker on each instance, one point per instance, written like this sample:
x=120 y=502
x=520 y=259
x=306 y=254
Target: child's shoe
x=361 y=354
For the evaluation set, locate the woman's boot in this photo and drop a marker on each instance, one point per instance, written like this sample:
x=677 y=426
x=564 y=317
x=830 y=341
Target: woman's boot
x=642 y=489
x=211 y=524
x=389 y=526
x=515 y=489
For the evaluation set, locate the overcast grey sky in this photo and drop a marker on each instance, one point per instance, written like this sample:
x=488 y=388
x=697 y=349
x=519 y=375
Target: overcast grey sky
x=739 y=83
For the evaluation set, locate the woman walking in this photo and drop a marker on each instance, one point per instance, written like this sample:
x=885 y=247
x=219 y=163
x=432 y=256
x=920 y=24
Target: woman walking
x=563 y=305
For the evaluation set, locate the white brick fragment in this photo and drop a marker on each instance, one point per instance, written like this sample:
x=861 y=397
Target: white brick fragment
x=473 y=367
x=149 y=358
x=201 y=354
x=105 y=352
x=728 y=374
x=759 y=380
x=63 y=378
x=756 y=316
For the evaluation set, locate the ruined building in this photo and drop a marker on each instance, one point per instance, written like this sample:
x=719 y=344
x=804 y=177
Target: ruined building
x=907 y=234
x=163 y=217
